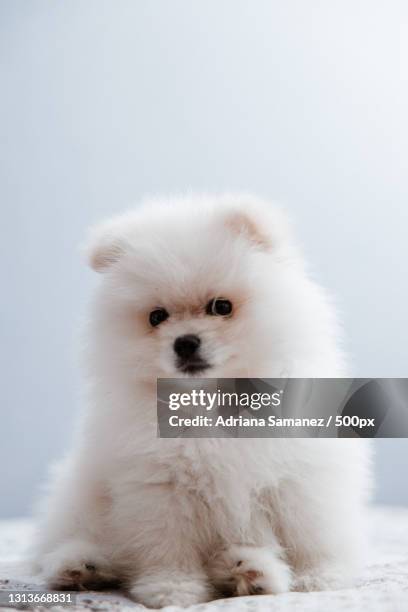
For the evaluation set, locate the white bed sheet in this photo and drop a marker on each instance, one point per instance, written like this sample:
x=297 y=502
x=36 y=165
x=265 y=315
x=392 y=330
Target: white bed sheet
x=382 y=587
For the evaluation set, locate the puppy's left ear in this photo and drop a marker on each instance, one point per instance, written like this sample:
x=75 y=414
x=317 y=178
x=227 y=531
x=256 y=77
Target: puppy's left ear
x=248 y=224
x=264 y=225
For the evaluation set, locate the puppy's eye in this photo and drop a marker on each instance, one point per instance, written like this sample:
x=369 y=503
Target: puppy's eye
x=158 y=316
x=219 y=306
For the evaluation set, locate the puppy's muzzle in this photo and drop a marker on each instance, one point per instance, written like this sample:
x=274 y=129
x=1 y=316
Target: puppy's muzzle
x=187 y=349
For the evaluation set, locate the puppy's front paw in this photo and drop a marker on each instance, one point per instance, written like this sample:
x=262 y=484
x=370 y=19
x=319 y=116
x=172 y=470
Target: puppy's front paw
x=77 y=566
x=250 y=570
x=167 y=589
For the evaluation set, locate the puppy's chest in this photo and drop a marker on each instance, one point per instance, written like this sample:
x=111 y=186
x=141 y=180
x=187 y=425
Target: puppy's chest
x=207 y=469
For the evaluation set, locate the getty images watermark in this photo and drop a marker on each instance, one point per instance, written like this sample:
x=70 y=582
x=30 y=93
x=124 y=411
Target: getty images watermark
x=282 y=407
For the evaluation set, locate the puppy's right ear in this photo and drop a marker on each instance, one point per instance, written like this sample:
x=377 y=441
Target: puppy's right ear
x=105 y=246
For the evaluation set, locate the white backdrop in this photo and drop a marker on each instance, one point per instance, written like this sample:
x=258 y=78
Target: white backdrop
x=104 y=101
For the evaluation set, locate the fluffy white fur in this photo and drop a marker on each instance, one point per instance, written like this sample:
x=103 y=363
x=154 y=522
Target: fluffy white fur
x=179 y=521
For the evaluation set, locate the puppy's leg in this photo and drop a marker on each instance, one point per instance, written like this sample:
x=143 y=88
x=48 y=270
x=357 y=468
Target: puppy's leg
x=163 y=539
x=322 y=552
x=70 y=549
x=250 y=570
x=321 y=522
x=77 y=565
x=160 y=588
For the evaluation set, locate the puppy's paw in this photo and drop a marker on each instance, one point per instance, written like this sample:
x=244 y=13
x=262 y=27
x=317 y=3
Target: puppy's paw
x=77 y=566
x=250 y=570
x=170 y=589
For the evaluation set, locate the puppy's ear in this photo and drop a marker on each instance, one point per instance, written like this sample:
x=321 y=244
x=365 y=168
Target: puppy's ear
x=249 y=226
x=105 y=246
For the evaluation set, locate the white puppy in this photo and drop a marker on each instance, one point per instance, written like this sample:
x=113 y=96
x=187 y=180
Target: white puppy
x=208 y=287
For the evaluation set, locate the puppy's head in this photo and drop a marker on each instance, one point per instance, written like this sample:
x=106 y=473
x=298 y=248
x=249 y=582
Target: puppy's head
x=188 y=288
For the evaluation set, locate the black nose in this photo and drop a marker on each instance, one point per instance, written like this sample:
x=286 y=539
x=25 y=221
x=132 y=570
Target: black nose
x=186 y=346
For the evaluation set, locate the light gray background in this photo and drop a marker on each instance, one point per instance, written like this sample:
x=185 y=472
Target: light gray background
x=104 y=101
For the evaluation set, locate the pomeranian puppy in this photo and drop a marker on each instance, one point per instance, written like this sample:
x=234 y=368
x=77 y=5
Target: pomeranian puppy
x=213 y=287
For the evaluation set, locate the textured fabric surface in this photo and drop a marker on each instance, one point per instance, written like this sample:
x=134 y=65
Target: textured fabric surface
x=382 y=587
